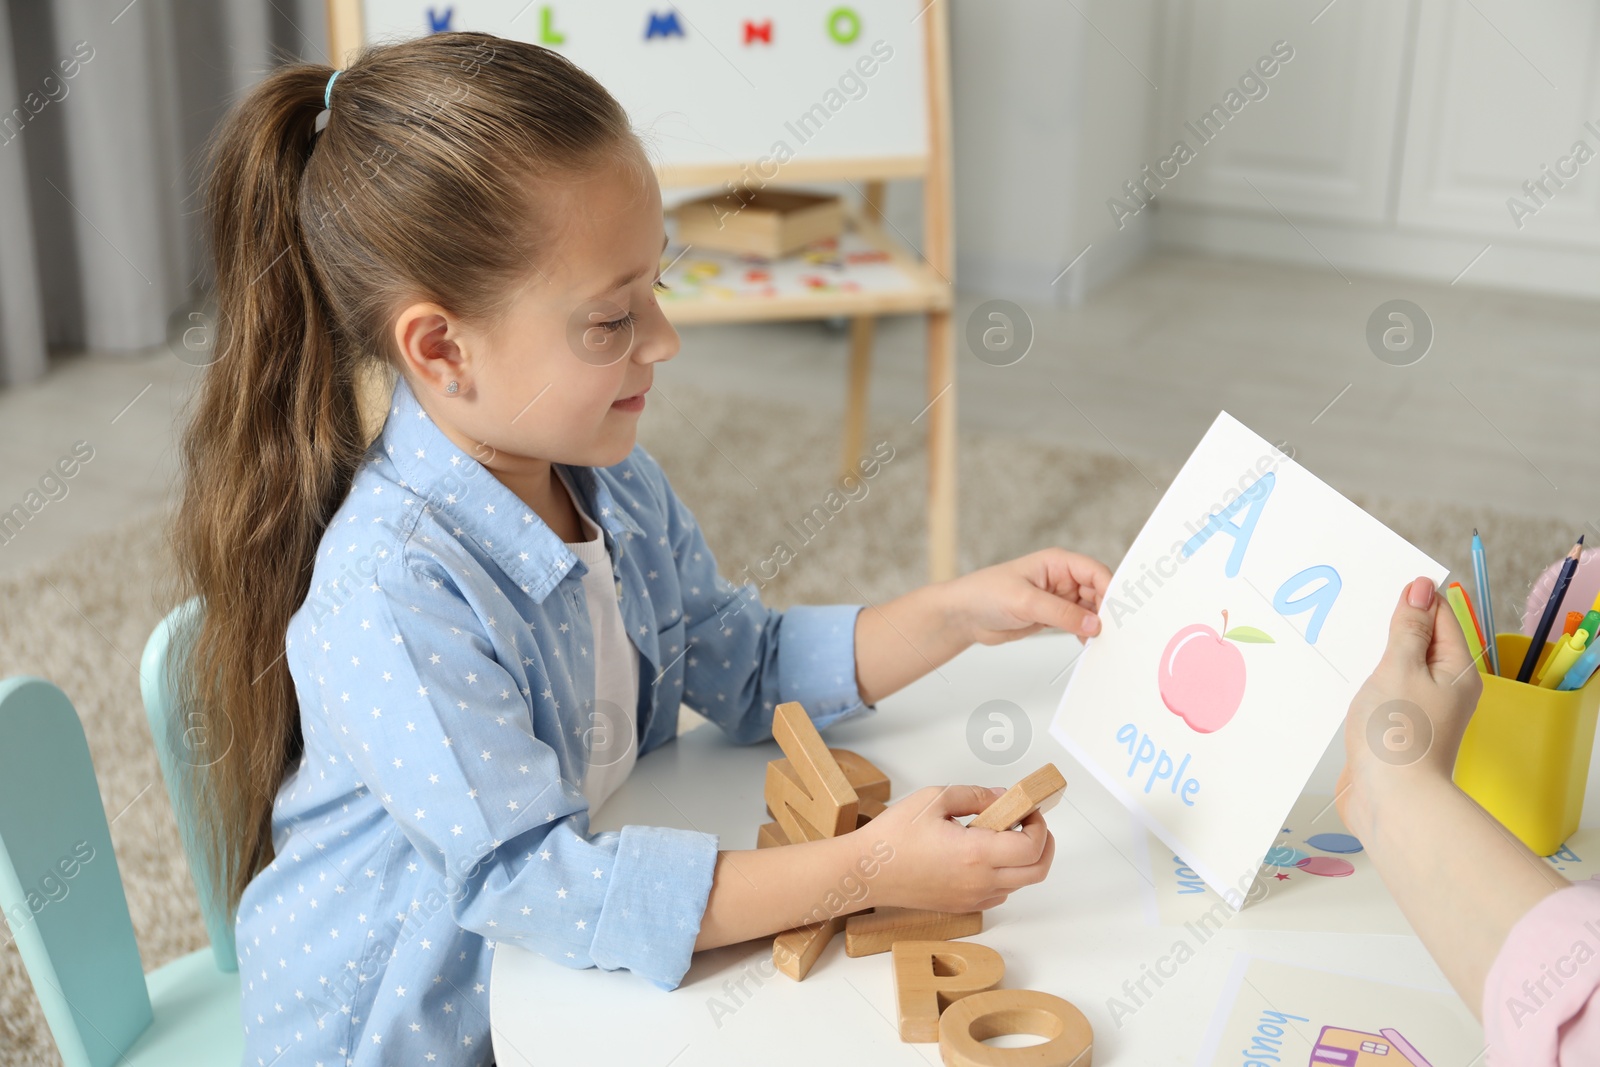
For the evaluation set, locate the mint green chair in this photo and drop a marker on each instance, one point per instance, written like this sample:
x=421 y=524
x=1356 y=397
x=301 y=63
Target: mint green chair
x=62 y=894
x=181 y=744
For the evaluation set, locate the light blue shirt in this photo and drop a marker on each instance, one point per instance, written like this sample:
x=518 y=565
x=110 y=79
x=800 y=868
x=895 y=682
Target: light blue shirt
x=443 y=663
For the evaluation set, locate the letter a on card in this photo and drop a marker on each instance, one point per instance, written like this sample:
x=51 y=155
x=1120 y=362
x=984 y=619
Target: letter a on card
x=810 y=797
x=1255 y=498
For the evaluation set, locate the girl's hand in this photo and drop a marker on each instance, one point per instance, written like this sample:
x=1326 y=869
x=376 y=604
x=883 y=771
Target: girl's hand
x=1405 y=723
x=941 y=865
x=1051 y=587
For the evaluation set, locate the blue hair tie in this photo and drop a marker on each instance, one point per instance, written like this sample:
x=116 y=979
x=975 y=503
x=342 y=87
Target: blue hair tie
x=327 y=93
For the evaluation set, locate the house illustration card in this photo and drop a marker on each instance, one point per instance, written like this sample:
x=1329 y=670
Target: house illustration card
x=1252 y=605
x=1277 y=1013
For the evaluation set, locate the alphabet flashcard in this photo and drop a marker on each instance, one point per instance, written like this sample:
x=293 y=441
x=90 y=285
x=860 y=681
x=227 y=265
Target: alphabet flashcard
x=1252 y=605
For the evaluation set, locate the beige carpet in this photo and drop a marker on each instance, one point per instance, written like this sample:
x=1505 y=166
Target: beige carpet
x=81 y=621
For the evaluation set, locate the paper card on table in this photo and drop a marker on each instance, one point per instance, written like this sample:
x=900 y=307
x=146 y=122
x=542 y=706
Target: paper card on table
x=1248 y=611
x=1278 y=1013
x=1316 y=877
x=1579 y=856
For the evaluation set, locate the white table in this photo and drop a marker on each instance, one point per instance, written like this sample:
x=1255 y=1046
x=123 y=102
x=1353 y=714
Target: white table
x=1079 y=935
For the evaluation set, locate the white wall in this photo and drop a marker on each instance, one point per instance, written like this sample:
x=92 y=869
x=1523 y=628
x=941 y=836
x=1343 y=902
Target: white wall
x=1049 y=119
x=1120 y=87
x=1015 y=139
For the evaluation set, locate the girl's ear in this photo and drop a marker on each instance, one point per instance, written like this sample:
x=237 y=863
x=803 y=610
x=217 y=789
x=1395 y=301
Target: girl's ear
x=425 y=335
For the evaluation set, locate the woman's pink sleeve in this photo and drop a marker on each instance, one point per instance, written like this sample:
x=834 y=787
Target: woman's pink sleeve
x=1541 y=1002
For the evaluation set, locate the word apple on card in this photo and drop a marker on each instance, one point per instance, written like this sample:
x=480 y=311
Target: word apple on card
x=1142 y=750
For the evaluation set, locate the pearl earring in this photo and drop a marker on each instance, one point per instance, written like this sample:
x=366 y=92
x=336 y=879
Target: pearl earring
x=451 y=388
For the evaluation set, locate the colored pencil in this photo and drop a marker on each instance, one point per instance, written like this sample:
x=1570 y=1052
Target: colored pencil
x=1457 y=598
x=1480 y=571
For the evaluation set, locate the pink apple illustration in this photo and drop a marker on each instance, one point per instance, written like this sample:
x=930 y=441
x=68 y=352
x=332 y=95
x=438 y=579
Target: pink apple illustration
x=1201 y=675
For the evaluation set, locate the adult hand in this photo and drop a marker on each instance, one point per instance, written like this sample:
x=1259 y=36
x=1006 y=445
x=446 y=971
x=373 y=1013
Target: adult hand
x=1405 y=724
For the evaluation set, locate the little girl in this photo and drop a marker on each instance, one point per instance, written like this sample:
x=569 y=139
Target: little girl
x=431 y=657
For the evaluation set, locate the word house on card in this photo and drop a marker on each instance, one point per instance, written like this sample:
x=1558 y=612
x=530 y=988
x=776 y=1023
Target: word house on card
x=1249 y=610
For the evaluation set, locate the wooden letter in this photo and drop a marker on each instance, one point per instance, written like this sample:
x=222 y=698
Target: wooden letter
x=810 y=796
x=794 y=951
x=770 y=835
x=883 y=928
x=1039 y=791
x=929 y=976
x=868 y=782
x=1069 y=1040
x=867 y=810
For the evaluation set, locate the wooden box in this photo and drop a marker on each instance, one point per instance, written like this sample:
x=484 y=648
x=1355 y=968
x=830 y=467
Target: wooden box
x=759 y=222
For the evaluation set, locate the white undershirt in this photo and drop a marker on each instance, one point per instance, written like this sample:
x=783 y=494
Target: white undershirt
x=612 y=724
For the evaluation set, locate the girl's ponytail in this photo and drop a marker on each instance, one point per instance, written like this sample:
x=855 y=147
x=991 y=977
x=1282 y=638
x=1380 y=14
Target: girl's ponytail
x=423 y=185
x=273 y=444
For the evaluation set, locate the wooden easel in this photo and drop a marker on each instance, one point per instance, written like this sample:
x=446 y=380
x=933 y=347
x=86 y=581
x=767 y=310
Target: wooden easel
x=930 y=275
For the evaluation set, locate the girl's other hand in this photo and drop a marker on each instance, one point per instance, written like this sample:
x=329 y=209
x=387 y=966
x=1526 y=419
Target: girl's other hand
x=1051 y=587
x=1405 y=724
x=941 y=865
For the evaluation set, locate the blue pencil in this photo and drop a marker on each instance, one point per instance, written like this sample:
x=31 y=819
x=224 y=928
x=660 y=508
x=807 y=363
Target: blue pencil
x=1480 y=571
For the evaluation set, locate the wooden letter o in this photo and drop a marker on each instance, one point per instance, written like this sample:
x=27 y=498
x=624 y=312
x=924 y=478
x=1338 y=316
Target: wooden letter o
x=967 y=1023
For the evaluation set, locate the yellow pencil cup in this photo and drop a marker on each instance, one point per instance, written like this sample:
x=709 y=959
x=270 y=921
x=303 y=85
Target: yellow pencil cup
x=1525 y=755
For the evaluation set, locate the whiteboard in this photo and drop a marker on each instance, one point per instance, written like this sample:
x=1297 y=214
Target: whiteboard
x=703 y=89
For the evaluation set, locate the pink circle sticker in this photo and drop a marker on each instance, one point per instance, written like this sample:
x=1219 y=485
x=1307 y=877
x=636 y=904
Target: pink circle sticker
x=1326 y=866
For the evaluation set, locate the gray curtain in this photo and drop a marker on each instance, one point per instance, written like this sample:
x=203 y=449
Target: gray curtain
x=105 y=106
